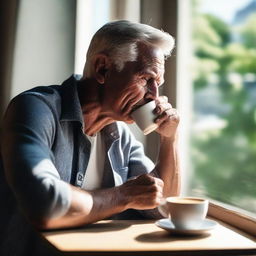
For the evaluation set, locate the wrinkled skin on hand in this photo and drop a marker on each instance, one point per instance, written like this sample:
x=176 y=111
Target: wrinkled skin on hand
x=142 y=192
x=167 y=119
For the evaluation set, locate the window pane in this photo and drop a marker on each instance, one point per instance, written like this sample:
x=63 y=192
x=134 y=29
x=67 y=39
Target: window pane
x=223 y=136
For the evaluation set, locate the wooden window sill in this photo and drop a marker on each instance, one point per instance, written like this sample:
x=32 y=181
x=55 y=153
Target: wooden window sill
x=233 y=217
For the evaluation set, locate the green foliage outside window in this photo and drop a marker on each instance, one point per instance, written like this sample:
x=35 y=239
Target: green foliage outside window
x=224 y=158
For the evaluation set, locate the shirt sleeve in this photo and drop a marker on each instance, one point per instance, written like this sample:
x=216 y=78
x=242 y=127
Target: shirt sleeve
x=139 y=164
x=28 y=133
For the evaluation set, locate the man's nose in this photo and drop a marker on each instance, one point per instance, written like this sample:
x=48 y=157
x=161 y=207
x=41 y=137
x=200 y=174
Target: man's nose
x=152 y=91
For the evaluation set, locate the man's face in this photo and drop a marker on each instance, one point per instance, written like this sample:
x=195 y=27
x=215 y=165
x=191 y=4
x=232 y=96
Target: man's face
x=135 y=85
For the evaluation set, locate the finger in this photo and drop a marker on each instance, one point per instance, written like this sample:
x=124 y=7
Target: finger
x=155 y=187
x=156 y=181
x=169 y=122
x=154 y=194
x=169 y=114
x=161 y=107
x=165 y=119
x=162 y=99
x=159 y=194
x=159 y=201
x=146 y=179
x=159 y=182
x=162 y=200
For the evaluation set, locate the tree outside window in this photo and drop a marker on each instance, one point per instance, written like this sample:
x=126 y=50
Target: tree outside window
x=223 y=136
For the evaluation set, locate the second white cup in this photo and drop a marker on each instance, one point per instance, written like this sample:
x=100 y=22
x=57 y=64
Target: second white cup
x=185 y=212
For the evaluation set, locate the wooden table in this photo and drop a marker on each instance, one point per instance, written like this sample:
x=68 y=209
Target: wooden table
x=129 y=237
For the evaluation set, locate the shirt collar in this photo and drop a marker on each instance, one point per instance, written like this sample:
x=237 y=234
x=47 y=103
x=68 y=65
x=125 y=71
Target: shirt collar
x=111 y=132
x=71 y=108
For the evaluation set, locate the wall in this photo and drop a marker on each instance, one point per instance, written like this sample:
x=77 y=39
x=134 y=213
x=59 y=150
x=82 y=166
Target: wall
x=8 y=13
x=44 y=45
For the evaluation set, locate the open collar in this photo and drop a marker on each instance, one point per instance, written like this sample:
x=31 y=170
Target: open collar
x=70 y=105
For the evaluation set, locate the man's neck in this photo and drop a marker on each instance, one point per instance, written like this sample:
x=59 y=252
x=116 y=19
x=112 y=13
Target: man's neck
x=90 y=94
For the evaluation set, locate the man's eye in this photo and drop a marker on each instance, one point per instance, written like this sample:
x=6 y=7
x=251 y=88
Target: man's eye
x=145 y=81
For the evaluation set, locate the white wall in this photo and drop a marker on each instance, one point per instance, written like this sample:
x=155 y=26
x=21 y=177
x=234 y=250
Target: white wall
x=44 y=46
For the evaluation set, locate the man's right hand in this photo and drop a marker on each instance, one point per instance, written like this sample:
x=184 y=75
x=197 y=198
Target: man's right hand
x=143 y=192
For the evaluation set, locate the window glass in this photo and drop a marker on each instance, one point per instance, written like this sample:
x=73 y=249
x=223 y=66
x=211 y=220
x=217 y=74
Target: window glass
x=223 y=134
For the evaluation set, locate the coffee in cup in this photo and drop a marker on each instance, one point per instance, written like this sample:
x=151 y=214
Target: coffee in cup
x=144 y=117
x=185 y=212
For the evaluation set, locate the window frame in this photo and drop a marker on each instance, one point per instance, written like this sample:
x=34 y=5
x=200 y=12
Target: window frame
x=236 y=217
x=233 y=216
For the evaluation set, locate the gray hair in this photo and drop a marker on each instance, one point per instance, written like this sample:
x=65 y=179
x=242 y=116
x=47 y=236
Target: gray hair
x=118 y=39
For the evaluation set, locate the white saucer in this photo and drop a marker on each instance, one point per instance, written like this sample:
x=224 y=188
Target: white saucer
x=168 y=225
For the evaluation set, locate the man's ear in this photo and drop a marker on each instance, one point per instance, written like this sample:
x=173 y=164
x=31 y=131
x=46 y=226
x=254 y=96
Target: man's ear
x=101 y=66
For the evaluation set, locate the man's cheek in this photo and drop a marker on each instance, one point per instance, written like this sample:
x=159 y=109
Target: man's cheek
x=140 y=92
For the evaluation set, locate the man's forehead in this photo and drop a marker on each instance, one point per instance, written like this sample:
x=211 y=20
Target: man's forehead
x=150 y=57
x=150 y=52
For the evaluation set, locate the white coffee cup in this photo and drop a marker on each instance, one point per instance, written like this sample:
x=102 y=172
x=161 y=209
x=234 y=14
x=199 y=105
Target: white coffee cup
x=144 y=117
x=185 y=212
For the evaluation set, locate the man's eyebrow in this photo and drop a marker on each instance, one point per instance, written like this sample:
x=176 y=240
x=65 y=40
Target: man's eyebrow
x=147 y=73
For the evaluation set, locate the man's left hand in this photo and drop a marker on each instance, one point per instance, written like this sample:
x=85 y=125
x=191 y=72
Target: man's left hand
x=167 y=118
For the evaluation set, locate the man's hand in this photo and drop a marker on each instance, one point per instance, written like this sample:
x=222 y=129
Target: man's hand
x=167 y=118
x=143 y=192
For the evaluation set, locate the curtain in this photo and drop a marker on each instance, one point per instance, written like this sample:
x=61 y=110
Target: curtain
x=8 y=17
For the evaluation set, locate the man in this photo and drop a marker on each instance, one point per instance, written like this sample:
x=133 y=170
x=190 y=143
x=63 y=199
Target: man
x=68 y=157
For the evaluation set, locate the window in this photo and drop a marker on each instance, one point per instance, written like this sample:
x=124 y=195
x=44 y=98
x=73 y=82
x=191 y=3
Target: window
x=217 y=102
x=87 y=25
x=91 y=15
x=222 y=145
